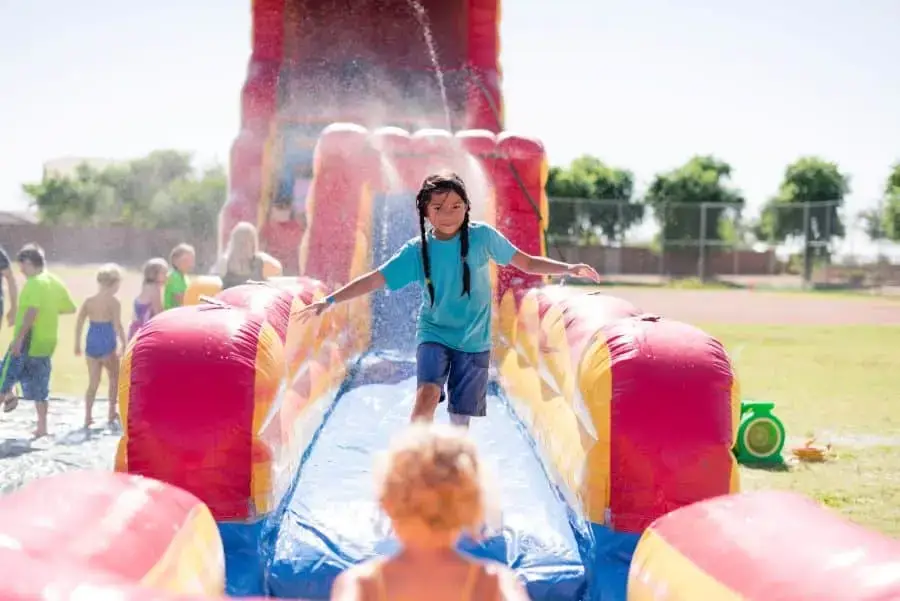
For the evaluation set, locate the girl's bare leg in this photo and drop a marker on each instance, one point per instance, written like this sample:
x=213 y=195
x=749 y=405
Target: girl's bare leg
x=112 y=371
x=95 y=370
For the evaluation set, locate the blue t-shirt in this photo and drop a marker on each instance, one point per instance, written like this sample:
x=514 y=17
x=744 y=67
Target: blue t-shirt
x=459 y=322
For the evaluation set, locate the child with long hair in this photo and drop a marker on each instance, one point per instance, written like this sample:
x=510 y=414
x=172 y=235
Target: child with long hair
x=149 y=302
x=243 y=261
x=431 y=488
x=450 y=260
x=104 y=312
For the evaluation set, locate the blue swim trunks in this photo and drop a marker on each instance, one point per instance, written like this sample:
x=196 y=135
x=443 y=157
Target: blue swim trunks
x=465 y=375
x=32 y=372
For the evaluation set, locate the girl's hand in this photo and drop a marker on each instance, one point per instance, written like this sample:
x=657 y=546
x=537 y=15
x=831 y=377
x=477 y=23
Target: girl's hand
x=313 y=310
x=582 y=270
x=77 y=350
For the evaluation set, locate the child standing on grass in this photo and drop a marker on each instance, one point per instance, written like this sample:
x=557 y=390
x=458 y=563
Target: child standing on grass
x=105 y=314
x=149 y=302
x=450 y=260
x=182 y=260
x=42 y=300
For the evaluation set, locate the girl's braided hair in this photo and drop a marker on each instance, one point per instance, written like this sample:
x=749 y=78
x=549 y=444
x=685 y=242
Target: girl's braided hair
x=443 y=184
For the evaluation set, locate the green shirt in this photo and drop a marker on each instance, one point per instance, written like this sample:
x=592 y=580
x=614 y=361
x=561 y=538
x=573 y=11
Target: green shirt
x=176 y=284
x=46 y=293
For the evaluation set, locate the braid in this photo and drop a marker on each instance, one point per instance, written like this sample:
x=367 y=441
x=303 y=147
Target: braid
x=422 y=203
x=464 y=251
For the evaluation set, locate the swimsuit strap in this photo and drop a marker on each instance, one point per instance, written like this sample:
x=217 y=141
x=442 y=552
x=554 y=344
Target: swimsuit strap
x=471 y=580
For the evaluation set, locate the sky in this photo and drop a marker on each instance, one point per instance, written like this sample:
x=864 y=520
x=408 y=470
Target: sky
x=643 y=84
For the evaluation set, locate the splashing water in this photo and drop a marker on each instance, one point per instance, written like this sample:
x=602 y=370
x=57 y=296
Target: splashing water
x=478 y=187
x=422 y=17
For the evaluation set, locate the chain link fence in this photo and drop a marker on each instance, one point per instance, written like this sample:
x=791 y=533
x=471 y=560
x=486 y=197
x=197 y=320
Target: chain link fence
x=794 y=244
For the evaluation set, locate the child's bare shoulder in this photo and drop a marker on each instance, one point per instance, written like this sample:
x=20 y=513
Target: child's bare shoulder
x=356 y=583
x=499 y=582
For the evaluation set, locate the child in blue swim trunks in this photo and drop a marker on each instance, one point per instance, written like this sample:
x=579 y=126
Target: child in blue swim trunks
x=450 y=260
x=105 y=331
x=42 y=300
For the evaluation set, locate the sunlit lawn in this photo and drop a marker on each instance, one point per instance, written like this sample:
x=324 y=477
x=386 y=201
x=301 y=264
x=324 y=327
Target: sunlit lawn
x=840 y=384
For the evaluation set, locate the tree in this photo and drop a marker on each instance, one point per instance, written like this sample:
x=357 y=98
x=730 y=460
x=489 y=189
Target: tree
x=807 y=205
x=890 y=222
x=161 y=190
x=588 y=178
x=691 y=201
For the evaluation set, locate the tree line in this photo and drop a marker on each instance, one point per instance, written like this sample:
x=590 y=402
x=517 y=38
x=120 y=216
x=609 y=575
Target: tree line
x=162 y=190
x=590 y=201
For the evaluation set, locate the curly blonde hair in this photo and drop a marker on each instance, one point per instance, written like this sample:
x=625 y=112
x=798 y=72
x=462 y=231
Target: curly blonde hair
x=109 y=274
x=432 y=476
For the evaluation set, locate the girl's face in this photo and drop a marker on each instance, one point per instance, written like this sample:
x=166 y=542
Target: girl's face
x=446 y=212
x=185 y=263
x=161 y=276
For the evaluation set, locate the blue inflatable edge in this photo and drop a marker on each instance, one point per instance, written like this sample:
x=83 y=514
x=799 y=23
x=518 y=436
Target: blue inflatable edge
x=606 y=554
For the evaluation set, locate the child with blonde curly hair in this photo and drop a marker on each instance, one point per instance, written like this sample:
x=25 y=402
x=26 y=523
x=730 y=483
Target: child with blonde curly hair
x=431 y=489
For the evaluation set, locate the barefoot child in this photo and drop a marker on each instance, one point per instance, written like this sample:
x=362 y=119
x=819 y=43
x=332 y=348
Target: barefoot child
x=42 y=300
x=432 y=492
x=105 y=314
x=450 y=261
x=182 y=261
x=149 y=302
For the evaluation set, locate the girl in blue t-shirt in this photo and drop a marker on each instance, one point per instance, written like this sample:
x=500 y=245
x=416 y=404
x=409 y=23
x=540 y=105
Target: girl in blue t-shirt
x=450 y=260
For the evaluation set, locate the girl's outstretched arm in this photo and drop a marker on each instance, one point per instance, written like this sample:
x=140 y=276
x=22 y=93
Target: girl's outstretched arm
x=364 y=284
x=547 y=266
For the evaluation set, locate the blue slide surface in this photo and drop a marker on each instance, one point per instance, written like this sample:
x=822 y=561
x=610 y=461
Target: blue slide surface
x=332 y=520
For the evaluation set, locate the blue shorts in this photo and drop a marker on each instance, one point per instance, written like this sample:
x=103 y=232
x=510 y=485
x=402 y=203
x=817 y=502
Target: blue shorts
x=465 y=375
x=32 y=372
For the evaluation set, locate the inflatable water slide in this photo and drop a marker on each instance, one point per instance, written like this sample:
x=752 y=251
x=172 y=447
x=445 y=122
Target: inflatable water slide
x=249 y=436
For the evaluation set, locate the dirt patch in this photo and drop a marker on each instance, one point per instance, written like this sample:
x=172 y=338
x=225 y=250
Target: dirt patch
x=752 y=307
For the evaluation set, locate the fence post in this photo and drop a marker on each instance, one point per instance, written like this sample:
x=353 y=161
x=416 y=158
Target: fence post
x=807 y=257
x=662 y=242
x=701 y=260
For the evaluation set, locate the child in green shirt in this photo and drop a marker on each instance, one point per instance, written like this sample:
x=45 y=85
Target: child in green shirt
x=182 y=260
x=42 y=300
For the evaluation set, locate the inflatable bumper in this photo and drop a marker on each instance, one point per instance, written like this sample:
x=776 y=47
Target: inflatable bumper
x=763 y=546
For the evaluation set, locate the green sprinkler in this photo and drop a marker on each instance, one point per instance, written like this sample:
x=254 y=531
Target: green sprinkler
x=760 y=436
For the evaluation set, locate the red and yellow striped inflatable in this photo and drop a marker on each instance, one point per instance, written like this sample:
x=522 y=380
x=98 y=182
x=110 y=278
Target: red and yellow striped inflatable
x=101 y=528
x=762 y=546
x=635 y=415
x=198 y=386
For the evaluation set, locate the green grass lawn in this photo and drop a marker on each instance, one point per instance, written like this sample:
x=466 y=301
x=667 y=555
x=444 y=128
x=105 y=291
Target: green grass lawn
x=837 y=383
